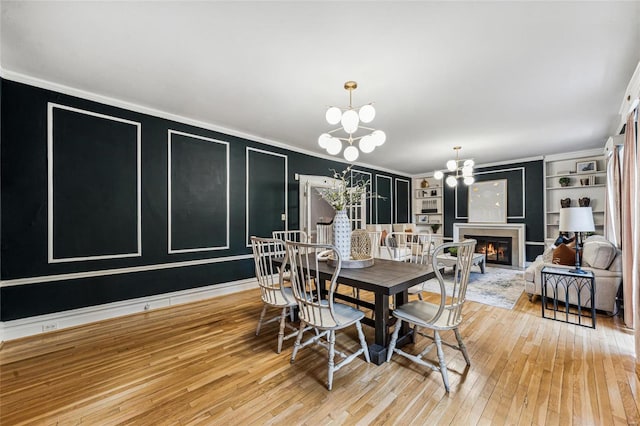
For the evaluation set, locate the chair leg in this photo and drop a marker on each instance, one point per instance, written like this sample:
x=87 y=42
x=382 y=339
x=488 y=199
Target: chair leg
x=463 y=348
x=262 y=314
x=332 y=344
x=363 y=342
x=296 y=346
x=394 y=339
x=283 y=322
x=443 y=364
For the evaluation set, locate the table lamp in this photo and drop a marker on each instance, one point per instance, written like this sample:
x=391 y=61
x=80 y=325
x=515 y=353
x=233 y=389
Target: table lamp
x=577 y=220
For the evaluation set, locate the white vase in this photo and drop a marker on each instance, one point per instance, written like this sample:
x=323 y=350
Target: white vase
x=342 y=234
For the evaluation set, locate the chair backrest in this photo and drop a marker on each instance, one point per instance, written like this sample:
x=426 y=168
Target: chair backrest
x=315 y=305
x=453 y=298
x=299 y=236
x=376 y=237
x=396 y=245
x=268 y=275
x=324 y=233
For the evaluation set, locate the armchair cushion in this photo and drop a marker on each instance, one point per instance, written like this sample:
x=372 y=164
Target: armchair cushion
x=598 y=252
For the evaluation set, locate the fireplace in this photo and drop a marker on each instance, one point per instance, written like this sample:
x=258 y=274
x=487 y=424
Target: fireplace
x=497 y=250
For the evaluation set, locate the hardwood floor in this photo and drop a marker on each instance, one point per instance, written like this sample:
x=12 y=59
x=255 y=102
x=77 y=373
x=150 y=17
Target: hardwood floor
x=201 y=363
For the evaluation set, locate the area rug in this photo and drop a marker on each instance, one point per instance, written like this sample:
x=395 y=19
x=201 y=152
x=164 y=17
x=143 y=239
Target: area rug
x=498 y=287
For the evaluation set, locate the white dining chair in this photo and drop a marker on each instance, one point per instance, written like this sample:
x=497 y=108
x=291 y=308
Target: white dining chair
x=273 y=292
x=438 y=317
x=317 y=307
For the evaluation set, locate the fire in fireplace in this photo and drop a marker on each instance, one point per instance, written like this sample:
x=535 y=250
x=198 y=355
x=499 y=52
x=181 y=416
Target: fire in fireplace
x=496 y=249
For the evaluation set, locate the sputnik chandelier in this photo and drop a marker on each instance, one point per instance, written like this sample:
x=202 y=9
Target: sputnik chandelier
x=465 y=171
x=350 y=119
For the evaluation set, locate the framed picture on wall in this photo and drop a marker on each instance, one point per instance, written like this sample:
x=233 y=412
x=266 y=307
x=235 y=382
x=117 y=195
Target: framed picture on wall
x=586 y=166
x=488 y=202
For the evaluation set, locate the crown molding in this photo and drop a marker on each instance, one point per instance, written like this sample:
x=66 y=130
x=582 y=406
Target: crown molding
x=95 y=97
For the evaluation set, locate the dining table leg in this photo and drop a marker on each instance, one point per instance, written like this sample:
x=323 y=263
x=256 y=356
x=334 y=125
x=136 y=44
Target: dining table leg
x=378 y=351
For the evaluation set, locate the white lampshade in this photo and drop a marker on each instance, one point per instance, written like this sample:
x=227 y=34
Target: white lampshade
x=324 y=140
x=576 y=219
x=350 y=121
x=379 y=137
x=333 y=115
x=367 y=113
x=335 y=146
x=367 y=144
x=438 y=175
x=351 y=153
x=451 y=181
x=452 y=165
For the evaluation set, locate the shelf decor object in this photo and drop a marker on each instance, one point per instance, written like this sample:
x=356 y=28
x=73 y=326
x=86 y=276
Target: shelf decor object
x=350 y=119
x=461 y=168
x=577 y=220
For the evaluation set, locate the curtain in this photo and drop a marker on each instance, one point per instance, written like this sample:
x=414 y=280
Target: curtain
x=630 y=232
x=613 y=198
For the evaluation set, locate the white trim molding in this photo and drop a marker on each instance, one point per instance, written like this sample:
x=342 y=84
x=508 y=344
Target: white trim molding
x=118 y=271
x=524 y=192
x=285 y=189
x=390 y=196
x=169 y=205
x=15 y=329
x=409 y=218
x=50 y=164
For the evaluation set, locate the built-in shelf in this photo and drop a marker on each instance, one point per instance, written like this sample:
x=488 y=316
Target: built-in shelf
x=567 y=165
x=427 y=204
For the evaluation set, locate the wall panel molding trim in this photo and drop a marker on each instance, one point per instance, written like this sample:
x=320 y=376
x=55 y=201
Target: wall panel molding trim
x=10 y=330
x=391 y=199
x=170 y=186
x=248 y=175
x=118 y=271
x=51 y=107
x=524 y=192
x=410 y=219
x=49 y=85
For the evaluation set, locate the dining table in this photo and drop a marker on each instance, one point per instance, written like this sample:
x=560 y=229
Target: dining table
x=385 y=279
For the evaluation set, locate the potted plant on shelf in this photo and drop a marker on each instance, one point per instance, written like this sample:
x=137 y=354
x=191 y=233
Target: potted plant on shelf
x=564 y=181
x=435 y=227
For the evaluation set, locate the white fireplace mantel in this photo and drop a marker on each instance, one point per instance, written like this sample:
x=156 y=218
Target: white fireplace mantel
x=516 y=229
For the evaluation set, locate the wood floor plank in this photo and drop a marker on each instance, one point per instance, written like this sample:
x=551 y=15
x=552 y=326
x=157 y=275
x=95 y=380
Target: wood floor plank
x=201 y=363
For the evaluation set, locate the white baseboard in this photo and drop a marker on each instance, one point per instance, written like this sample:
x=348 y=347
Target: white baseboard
x=10 y=330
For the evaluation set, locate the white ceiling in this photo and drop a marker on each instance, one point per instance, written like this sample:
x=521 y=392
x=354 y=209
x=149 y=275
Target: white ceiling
x=505 y=80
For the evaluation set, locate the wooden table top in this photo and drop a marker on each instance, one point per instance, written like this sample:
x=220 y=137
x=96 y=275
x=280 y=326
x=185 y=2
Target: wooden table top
x=387 y=277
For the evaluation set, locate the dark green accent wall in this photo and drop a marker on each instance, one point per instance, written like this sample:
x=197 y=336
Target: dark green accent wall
x=23 y=209
x=524 y=202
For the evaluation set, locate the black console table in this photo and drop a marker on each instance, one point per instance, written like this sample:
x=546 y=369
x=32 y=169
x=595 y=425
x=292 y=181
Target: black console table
x=564 y=295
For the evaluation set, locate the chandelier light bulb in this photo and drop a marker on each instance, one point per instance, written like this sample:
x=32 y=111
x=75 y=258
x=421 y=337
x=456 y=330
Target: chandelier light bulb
x=469 y=163
x=367 y=144
x=324 y=140
x=379 y=137
x=452 y=165
x=469 y=180
x=367 y=113
x=452 y=181
x=333 y=115
x=438 y=175
x=467 y=171
x=350 y=121
x=335 y=146
x=351 y=153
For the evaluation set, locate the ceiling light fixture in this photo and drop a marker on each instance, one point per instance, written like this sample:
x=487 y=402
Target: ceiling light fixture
x=464 y=171
x=350 y=119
